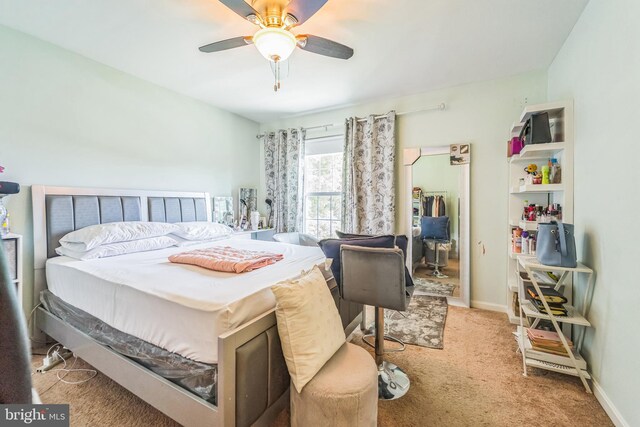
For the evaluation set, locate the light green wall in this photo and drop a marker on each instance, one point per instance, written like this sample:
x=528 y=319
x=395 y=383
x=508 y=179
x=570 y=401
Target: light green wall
x=479 y=113
x=66 y=120
x=599 y=67
x=435 y=173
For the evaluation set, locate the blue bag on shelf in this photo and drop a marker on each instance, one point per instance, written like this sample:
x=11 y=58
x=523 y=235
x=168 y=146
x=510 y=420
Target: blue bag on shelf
x=556 y=245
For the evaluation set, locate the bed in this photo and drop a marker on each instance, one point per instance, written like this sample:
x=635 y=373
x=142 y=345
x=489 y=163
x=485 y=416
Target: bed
x=201 y=317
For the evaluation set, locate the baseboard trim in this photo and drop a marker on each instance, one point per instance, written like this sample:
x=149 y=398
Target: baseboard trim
x=489 y=306
x=607 y=405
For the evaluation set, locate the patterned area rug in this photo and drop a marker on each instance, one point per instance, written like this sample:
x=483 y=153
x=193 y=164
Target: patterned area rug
x=431 y=287
x=422 y=324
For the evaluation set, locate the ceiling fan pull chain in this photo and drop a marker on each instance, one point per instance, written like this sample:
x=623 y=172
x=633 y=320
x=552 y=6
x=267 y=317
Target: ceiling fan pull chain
x=276 y=74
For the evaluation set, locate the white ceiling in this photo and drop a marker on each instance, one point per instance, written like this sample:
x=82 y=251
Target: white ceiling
x=401 y=47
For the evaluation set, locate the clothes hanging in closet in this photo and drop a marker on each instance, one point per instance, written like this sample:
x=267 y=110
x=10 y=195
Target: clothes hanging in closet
x=434 y=206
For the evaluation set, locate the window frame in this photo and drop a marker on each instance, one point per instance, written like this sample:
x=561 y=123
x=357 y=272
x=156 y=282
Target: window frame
x=334 y=223
x=331 y=195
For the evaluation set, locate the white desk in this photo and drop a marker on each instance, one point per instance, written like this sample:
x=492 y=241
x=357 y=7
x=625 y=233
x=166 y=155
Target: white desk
x=261 y=234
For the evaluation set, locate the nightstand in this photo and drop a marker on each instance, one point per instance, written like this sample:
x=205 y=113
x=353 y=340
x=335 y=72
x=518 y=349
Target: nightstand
x=261 y=234
x=13 y=248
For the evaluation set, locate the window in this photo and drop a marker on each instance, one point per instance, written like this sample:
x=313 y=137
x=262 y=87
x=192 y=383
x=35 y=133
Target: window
x=322 y=188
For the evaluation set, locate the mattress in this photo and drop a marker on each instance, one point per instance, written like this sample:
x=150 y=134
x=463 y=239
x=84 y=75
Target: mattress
x=178 y=307
x=199 y=378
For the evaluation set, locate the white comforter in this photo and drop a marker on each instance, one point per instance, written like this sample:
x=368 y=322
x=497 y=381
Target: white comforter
x=178 y=307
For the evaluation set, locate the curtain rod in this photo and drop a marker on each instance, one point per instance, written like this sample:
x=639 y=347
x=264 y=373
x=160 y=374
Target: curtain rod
x=440 y=107
x=318 y=138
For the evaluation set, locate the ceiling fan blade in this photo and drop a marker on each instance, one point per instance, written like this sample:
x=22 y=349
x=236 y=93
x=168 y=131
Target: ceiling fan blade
x=304 y=9
x=323 y=46
x=226 y=44
x=240 y=7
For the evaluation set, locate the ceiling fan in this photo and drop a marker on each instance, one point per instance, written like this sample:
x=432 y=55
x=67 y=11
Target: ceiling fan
x=274 y=40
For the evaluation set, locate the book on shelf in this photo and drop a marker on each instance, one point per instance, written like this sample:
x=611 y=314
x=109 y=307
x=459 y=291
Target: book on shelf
x=550 y=295
x=544 y=278
x=547 y=341
x=544 y=356
x=556 y=309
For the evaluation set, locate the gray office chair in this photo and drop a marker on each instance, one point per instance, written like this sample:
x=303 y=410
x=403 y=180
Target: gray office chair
x=435 y=260
x=435 y=231
x=296 y=238
x=376 y=276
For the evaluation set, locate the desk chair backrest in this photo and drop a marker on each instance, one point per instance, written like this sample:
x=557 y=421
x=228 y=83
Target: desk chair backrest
x=374 y=276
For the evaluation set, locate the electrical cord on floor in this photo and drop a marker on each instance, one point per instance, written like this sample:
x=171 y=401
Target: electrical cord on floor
x=46 y=355
x=29 y=326
x=61 y=373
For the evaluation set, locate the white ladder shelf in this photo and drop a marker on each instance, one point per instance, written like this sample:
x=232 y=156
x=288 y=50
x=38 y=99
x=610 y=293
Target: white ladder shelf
x=572 y=364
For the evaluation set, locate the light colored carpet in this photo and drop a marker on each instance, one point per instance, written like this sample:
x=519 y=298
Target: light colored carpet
x=476 y=380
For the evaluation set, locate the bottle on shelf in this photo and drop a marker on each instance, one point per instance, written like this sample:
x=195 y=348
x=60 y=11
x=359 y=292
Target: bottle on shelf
x=545 y=173
x=532 y=245
x=525 y=243
x=5 y=226
x=517 y=240
x=555 y=175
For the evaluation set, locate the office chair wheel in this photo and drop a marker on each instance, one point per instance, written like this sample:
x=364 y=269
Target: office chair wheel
x=393 y=383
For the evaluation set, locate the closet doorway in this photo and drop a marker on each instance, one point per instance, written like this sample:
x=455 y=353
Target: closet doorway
x=437 y=201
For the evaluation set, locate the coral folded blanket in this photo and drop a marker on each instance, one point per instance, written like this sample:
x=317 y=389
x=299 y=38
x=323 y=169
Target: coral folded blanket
x=227 y=259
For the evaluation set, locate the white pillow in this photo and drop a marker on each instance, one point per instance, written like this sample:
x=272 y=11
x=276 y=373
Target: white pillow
x=202 y=230
x=309 y=325
x=181 y=243
x=95 y=235
x=119 y=248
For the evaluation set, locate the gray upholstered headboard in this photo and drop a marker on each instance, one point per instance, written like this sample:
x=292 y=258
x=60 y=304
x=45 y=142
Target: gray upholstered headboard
x=65 y=214
x=177 y=209
x=60 y=210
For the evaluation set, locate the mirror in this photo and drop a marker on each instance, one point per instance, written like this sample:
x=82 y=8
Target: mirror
x=437 y=200
x=223 y=210
x=247 y=203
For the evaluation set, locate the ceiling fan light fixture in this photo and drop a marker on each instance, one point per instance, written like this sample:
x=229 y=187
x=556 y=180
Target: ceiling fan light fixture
x=275 y=44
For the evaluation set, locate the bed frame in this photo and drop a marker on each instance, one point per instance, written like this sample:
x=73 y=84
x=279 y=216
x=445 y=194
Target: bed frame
x=253 y=382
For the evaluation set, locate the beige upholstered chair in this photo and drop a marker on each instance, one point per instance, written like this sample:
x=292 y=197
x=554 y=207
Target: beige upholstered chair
x=344 y=393
x=376 y=276
x=342 y=389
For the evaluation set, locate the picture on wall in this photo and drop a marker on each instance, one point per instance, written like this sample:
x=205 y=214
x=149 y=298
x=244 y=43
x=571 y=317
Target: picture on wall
x=460 y=154
x=223 y=210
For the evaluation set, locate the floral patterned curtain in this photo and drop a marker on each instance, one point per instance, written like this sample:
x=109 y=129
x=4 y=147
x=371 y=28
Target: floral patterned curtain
x=368 y=197
x=284 y=162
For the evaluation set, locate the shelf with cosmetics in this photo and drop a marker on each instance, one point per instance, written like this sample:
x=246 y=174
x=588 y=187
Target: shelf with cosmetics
x=537 y=188
x=540 y=186
x=538 y=152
